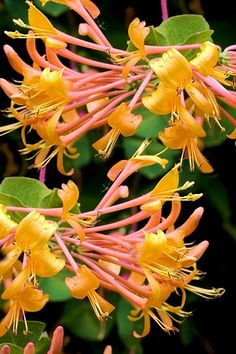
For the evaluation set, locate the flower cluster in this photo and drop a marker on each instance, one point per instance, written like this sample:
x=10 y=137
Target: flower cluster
x=142 y=252
x=62 y=103
x=143 y=256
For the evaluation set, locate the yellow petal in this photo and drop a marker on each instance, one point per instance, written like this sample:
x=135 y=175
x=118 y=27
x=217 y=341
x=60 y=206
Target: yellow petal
x=69 y=194
x=83 y=282
x=190 y=122
x=154 y=245
x=34 y=231
x=6 y=224
x=92 y=9
x=137 y=33
x=163 y=100
x=38 y=21
x=167 y=186
x=15 y=286
x=44 y=263
x=9 y=260
x=206 y=59
x=173 y=69
x=32 y=299
x=123 y=120
x=232 y=135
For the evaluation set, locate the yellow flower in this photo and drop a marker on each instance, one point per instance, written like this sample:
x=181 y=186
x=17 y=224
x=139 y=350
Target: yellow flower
x=137 y=34
x=173 y=69
x=179 y=136
x=169 y=257
x=136 y=162
x=122 y=121
x=69 y=194
x=41 y=26
x=165 y=190
x=31 y=235
x=206 y=63
x=34 y=231
x=165 y=100
x=84 y=284
x=27 y=299
x=160 y=292
x=6 y=223
x=44 y=263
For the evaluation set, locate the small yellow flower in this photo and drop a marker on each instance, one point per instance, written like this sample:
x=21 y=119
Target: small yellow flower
x=41 y=27
x=166 y=100
x=6 y=223
x=123 y=122
x=179 y=136
x=137 y=33
x=206 y=59
x=69 y=195
x=173 y=69
x=32 y=235
x=165 y=190
x=28 y=299
x=136 y=162
x=84 y=284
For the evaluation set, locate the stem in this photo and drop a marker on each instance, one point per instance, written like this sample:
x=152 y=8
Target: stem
x=42 y=175
x=66 y=252
x=164 y=10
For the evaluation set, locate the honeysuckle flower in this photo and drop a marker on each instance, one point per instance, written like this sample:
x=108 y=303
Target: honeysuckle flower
x=206 y=63
x=84 y=284
x=123 y=122
x=6 y=223
x=28 y=299
x=166 y=189
x=173 y=69
x=169 y=256
x=69 y=194
x=31 y=237
x=41 y=26
x=166 y=100
x=157 y=308
x=179 y=136
x=46 y=129
x=137 y=33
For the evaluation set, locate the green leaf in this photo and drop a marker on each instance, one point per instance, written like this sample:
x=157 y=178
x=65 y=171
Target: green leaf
x=80 y=319
x=187 y=332
x=28 y=191
x=42 y=346
x=35 y=330
x=51 y=200
x=84 y=148
x=179 y=29
x=54 y=10
x=126 y=327
x=199 y=37
x=17 y=9
x=14 y=349
x=217 y=195
x=155 y=38
x=215 y=136
x=55 y=286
